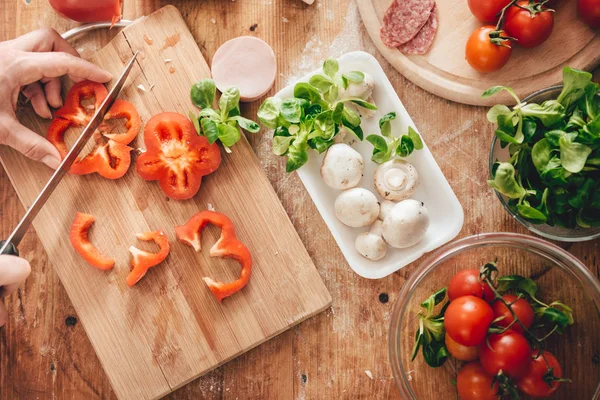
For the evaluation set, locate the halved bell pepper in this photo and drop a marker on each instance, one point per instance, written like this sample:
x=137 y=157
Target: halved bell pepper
x=176 y=155
x=110 y=159
x=228 y=246
x=143 y=260
x=81 y=242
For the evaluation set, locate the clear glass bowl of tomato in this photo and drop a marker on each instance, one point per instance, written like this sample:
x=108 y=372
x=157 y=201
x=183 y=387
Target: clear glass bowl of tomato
x=555 y=232
x=558 y=275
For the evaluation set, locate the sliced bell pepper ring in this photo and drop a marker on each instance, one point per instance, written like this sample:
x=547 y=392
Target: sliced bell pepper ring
x=81 y=242
x=111 y=159
x=143 y=260
x=176 y=155
x=228 y=246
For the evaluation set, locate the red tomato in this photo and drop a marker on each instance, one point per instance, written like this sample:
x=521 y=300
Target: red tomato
x=529 y=30
x=467 y=320
x=81 y=242
x=520 y=307
x=589 y=12
x=466 y=282
x=482 y=54
x=473 y=383
x=460 y=352
x=533 y=383
x=89 y=10
x=508 y=352
x=487 y=10
x=176 y=156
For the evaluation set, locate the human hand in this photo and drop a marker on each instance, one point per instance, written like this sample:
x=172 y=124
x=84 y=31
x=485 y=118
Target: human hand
x=13 y=271
x=33 y=63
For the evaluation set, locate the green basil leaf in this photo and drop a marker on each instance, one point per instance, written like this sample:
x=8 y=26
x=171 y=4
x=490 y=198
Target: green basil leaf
x=281 y=144
x=246 y=124
x=354 y=76
x=331 y=67
x=228 y=135
x=209 y=129
x=203 y=93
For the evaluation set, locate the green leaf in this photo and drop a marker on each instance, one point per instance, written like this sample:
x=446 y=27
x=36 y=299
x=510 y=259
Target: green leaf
x=229 y=102
x=590 y=102
x=228 y=135
x=357 y=130
x=553 y=136
x=531 y=214
x=378 y=143
x=354 y=76
x=554 y=316
x=499 y=109
x=269 y=111
x=281 y=144
x=209 y=129
x=246 y=124
x=573 y=155
x=332 y=94
x=350 y=118
x=504 y=182
x=549 y=113
x=209 y=113
x=541 y=154
x=291 y=110
x=497 y=89
x=322 y=83
x=574 y=84
x=203 y=93
x=405 y=147
x=297 y=155
x=362 y=103
x=303 y=90
x=416 y=138
x=509 y=282
x=385 y=124
x=338 y=113
x=195 y=122
x=331 y=67
x=583 y=194
x=325 y=125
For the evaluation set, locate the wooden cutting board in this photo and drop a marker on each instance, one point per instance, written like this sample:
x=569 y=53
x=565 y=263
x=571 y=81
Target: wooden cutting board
x=445 y=72
x=169 y=329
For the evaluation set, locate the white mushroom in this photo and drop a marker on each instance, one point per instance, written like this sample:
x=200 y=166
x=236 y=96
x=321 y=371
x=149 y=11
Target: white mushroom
x=342 y=167
x=396 y=180
x=384 y=207
x=362 y=89
x=356 y=207
x=370 y=244
x=363 y=113
x=405 y=224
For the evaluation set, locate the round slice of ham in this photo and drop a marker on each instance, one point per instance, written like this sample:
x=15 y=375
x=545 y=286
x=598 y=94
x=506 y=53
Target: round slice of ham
x=247 y=63
x=422 y=41
x=403 y=20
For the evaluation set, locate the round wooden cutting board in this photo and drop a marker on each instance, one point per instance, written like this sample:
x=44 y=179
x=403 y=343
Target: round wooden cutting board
x=445 y=72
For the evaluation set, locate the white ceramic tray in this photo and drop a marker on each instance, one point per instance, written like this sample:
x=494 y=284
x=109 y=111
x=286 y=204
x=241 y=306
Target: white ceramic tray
x=445 y=211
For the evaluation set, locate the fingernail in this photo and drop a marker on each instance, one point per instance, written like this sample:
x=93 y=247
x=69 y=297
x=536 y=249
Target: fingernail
x=51 y=161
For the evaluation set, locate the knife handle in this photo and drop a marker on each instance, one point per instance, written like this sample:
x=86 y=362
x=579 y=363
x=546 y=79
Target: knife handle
x=10 y=250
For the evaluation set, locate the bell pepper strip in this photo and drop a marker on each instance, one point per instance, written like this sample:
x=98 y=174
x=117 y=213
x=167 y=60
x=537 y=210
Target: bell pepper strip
x=82 y=245
x=228 y=246
x=110 y=159
x=142 y=260
x=176 y=156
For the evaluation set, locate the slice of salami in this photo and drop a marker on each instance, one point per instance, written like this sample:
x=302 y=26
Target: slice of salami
x=422 y=41
x=403 y=20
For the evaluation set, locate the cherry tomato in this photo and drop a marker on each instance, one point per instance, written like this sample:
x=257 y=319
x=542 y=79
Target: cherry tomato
x=520 y=307
x=508 y=352
x=473 y=383
x=467 y=320
x=482 y=54
x=467 y=282
x=533 y=383
x=589 y=12
x=460 y=352
x=487 y=10
x=89 y=10
x=529 y=29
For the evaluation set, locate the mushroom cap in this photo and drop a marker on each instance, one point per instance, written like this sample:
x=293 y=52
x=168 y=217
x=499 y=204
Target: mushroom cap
x=363 y=113
x=385 y=207
x=396 y=180
x=370 y=244
x=356 y=207
x=405 y=224
x=362 y=89
x=342 y=167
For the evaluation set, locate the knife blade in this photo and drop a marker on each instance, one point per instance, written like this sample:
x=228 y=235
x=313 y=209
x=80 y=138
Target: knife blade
x=9 y=246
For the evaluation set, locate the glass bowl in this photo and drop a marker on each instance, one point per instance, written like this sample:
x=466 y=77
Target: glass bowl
x=497 y=153
x=558 y=275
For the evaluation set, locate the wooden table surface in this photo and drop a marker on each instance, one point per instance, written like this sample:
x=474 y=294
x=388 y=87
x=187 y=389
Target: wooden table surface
x=44 y=351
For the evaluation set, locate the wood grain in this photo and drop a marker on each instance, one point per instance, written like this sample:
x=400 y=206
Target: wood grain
x=41 y=356
x=169 y=329
x=445 y=72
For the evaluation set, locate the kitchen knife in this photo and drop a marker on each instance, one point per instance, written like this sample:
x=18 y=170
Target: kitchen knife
x=9 y=246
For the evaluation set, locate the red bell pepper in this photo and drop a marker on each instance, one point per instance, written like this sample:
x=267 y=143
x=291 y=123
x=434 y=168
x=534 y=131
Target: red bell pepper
x=143 y=260
x=176 y=155
x=81 y=242
x=228 y=246
x=110 y=159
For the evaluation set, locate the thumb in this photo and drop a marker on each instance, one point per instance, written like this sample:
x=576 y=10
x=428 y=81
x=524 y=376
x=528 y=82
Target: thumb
x=13 y=271
x=29 y=143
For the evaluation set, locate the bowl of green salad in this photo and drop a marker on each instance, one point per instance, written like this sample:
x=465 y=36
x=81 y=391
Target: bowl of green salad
x=545 y=158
